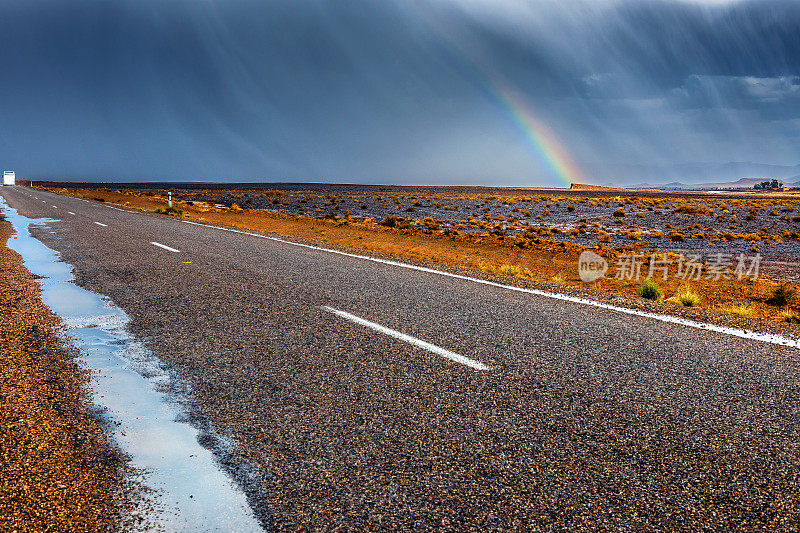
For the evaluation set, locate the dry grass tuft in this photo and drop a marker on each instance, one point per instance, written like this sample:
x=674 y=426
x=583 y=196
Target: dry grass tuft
x=742 y=310
x=650 y=290
x=686 y=298
x=790 y=315
x=781 y=296
x=691 y=209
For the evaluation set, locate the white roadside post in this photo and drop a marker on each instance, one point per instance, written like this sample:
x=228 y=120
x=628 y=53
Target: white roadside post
x=169 y=201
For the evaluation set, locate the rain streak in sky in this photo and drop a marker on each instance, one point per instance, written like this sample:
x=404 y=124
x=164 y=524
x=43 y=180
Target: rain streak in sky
x=495 y=92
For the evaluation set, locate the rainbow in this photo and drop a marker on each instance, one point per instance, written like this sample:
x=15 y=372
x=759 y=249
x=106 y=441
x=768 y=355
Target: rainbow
x=544 y=145
x=543 y=142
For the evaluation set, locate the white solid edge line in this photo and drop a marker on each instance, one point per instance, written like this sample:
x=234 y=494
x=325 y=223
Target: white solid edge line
x=101 y=224
x=164 y=246
x=477 y=365
x=780 y=340
x=741 y=333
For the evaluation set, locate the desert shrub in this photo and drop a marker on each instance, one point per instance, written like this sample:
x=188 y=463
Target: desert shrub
x=619 y=213
x=731 y=236
x=172 y=211
x=790 y=315
x=676 y=236
x=742 y=310
x=603 y=236
x=650 y=290
x=691 y=209
x=431 y=224
x=390 y=222
x=498 y=229
x=513 y=270
x=781 y=295
x=510 y=270
x=100 y=199
x=686 y=298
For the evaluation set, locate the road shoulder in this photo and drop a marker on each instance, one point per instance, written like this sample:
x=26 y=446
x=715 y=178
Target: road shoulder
x=57 y=468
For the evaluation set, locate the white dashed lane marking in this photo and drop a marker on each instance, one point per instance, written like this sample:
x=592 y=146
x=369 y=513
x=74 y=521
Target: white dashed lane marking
x=472 y=363
x=164 y=246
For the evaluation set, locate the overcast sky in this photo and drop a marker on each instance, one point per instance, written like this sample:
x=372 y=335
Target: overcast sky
x=393 y=91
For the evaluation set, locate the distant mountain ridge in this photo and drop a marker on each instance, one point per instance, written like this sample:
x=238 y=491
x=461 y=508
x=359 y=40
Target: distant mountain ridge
x=741 y=183
x=704 y=175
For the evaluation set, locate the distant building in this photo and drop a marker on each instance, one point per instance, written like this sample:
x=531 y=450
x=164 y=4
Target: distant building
x=9 y=178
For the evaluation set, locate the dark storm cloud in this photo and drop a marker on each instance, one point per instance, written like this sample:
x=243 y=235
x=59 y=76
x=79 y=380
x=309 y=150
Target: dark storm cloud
x=391 y=91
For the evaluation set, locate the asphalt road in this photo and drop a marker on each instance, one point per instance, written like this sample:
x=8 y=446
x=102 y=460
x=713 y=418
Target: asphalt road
x=584 y=419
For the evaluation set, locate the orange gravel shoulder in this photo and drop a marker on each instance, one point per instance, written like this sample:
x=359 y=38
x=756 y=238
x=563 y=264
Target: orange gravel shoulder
x=57 y=470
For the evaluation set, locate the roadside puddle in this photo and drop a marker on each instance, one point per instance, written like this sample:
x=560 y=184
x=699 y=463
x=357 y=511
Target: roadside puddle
x=130 y=386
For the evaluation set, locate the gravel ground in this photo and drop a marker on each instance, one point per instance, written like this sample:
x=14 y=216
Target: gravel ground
x=57 y=470
x=587 y=420
x=722 y=224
